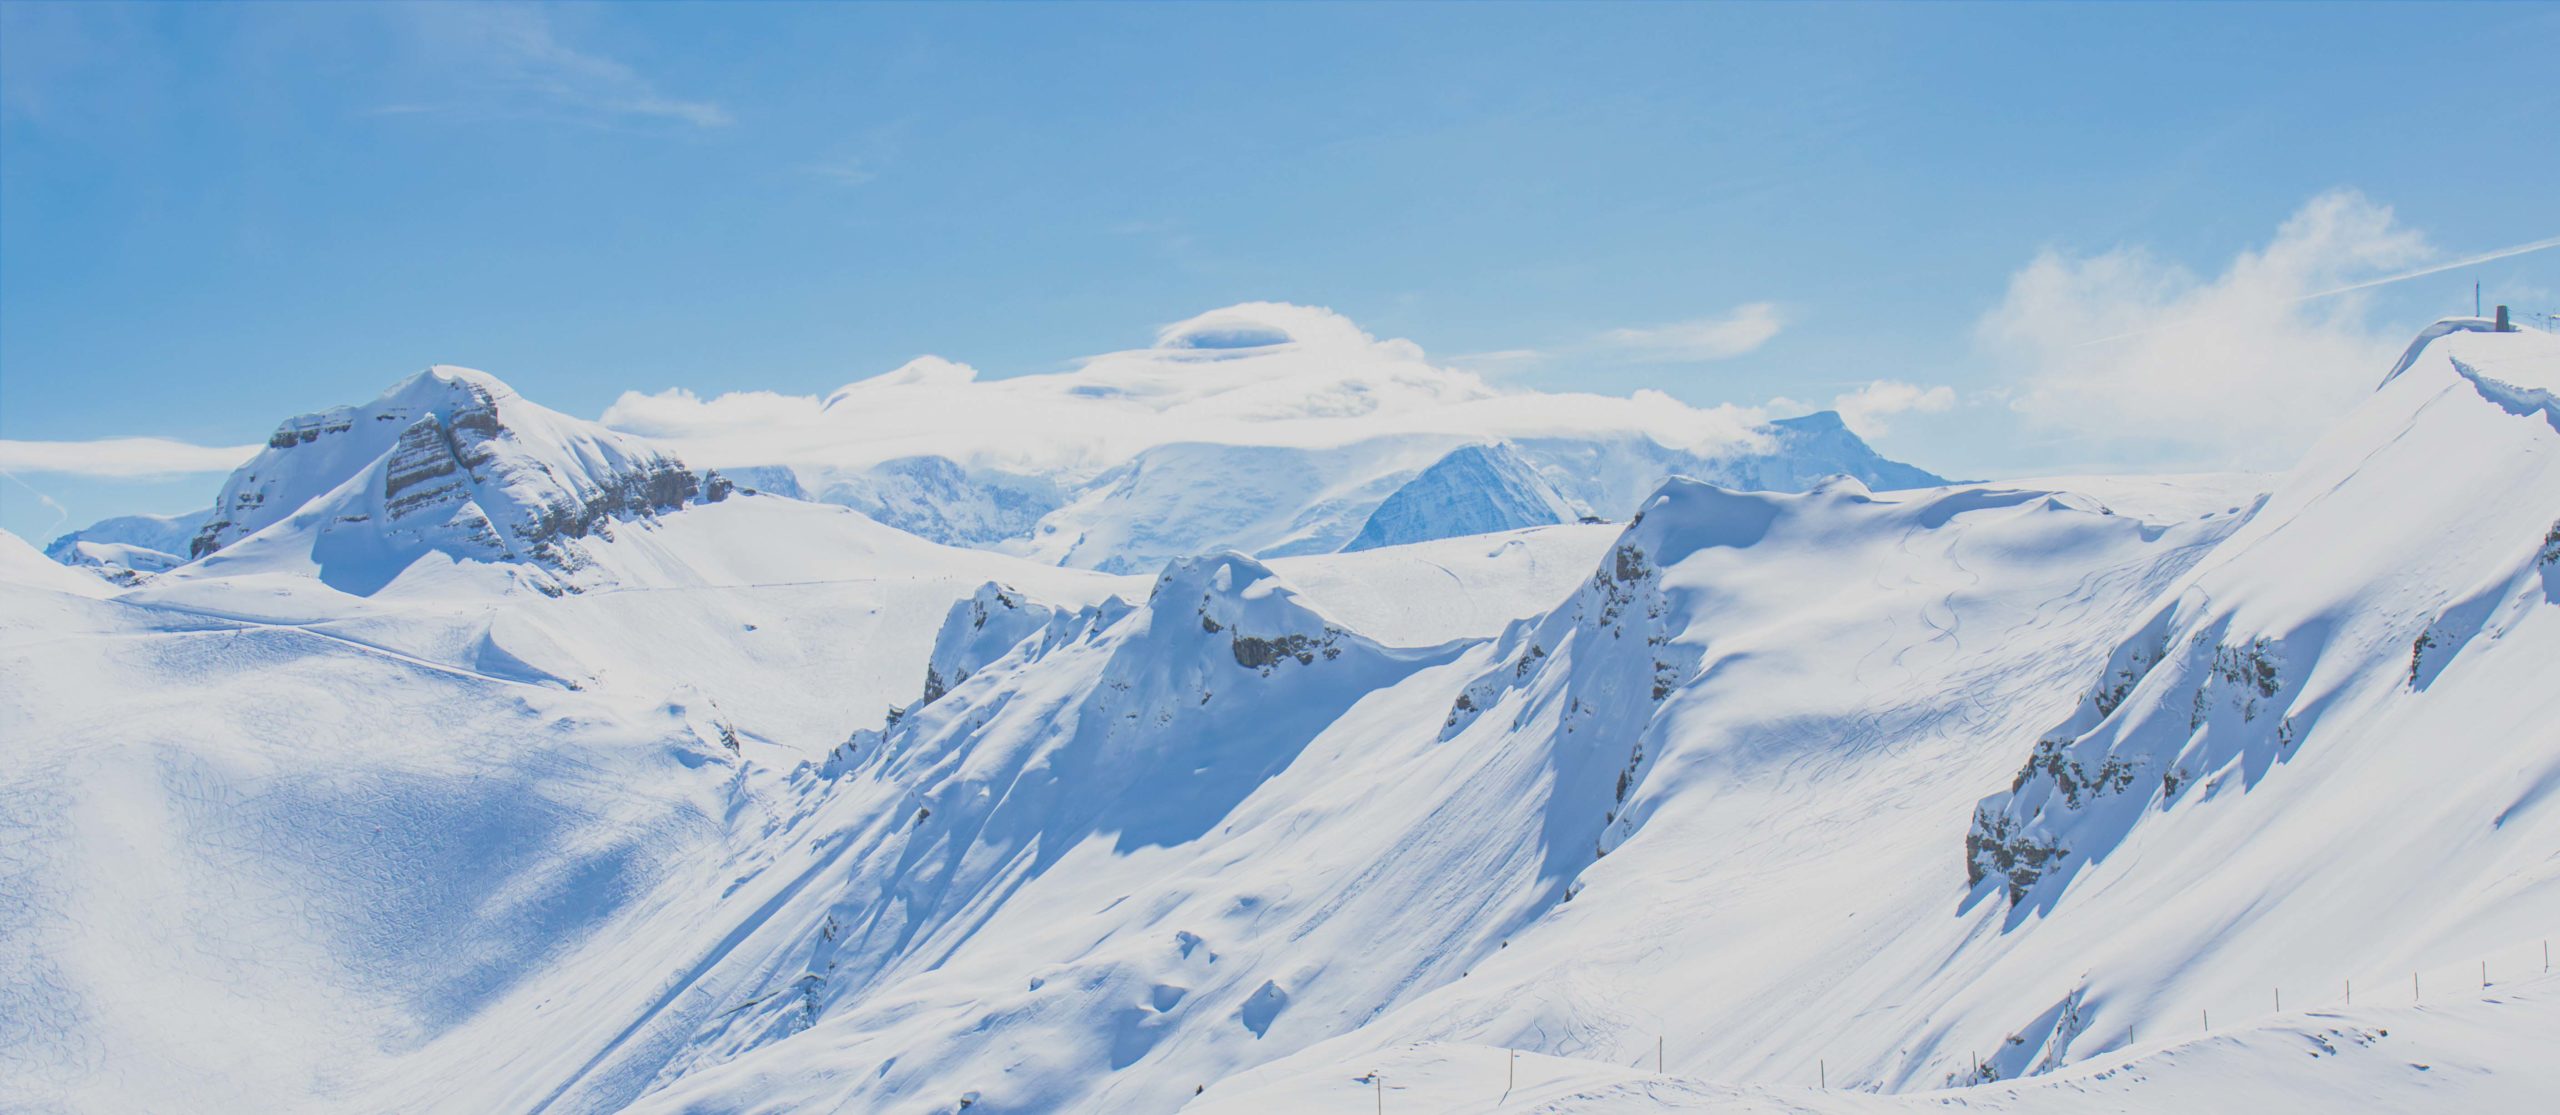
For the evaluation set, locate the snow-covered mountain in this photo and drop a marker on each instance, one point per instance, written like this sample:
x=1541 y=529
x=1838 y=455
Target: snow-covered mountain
x=451 y=462
x=2018 y=796
x=166 y=534
x=1475 y=489
x=1272 y=429
x=937 y=498
x=1268 y=428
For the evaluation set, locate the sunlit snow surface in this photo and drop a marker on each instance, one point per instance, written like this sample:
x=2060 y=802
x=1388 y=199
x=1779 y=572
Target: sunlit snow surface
x=1245 y=834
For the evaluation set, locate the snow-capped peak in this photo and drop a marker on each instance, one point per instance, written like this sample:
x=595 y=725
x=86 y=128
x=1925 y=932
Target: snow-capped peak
x=1475 y=489
x=449 y=459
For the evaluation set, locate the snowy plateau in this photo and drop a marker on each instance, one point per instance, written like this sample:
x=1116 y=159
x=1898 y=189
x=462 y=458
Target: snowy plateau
x=1293 y=727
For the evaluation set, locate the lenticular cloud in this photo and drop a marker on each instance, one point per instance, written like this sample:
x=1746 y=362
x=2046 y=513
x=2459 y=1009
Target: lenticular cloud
x=1259 y=373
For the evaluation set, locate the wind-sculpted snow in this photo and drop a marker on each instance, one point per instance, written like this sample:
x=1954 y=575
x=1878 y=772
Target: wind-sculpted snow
x=2409 y=541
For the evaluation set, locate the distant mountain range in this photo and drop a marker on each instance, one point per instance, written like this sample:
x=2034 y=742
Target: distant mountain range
x=498 y=477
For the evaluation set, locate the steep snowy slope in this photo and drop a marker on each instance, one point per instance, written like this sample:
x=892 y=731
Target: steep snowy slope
x=1476 y=489
x=1468 y=587
x=1737 y=784
x=1137 y=852
x=2270 y=758
x=265 y=843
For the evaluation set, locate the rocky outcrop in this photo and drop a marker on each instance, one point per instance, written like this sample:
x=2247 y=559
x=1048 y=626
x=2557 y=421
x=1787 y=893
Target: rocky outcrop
x=453 y=460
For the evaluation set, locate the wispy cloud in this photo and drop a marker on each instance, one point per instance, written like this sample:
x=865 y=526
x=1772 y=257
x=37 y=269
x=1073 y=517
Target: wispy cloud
x=512 y=55
x=1259 y=373
x=2238 y=369
x=1866 y=409
x=1721 y=337
x=1700 y=340
x=121 y=457
x=843 y=172
x=2509 y=252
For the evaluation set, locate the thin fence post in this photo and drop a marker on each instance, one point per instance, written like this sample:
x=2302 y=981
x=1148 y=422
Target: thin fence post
x=2484 y=974
x=1381 y=1079
x=1511 y=1072
x=2413 y=987
x=2351 y=993
x=2208 y=1020
x=1824 y=1067
x=2279 y=1000
x=1657 y=1051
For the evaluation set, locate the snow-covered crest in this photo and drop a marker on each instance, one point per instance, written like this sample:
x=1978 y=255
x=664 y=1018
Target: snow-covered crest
x=1711 y=787
x=449 y=460
x=2412 y=539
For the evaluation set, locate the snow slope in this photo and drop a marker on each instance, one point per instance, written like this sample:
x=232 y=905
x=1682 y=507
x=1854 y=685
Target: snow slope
x=270 y=843
x=2482 y=1051
x=1739 y=780
x=997 y=917
x=1475 y=489
x=162 y=540
x=2329 y=775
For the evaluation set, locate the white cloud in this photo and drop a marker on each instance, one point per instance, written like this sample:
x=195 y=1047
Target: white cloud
x=511 y=53
x=1865 y=409
x=1262 y=373
x=122 y=457
x=2141 y=358
x=1724 y=337
x=1737 y=331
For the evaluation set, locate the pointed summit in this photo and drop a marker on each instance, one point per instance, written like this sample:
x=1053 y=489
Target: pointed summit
x=1475 y=489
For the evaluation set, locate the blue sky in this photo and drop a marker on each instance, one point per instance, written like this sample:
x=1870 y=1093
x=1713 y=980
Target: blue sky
x=212 y=217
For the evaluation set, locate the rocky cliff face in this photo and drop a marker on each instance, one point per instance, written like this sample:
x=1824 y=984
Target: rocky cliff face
x=448 y=460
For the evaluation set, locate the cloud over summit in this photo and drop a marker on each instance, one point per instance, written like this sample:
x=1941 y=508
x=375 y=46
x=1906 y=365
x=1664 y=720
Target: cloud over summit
x=1257 y=373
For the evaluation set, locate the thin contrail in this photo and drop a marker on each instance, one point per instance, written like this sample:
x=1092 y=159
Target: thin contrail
x=2466 y=261
x=2430 y=269
x=60 y=515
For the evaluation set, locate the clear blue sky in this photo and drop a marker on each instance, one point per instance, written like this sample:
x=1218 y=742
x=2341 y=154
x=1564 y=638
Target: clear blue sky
x=214 y=216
